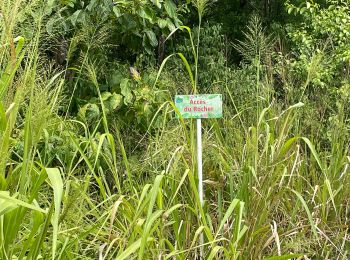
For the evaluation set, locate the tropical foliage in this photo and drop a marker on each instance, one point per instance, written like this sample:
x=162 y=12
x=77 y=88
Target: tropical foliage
x=95 y=164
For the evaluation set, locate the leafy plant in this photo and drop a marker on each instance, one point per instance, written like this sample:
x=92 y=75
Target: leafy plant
x=94 y=164
x=137 y=24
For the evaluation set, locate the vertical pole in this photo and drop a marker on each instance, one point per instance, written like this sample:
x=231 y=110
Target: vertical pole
x=200 y=176
x=199 y=160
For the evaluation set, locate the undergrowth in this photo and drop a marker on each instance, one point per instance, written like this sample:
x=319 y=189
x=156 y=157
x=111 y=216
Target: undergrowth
x=90 y=186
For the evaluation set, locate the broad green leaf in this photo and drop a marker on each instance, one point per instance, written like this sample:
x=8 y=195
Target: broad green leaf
x=105 y=95
x=8 y=203
x=89 y=112
x=283 y=257
x=162 y=23
x=156 y=3
x=152 y=38
x=115 y=101
x=49 y=26
x=170 y=25
x=6 y=206
x=125 y=87
x=74 y=17
x=147 y=13
x=92 y=4
x=57 y=185
x=170 y=8
x=117 y=12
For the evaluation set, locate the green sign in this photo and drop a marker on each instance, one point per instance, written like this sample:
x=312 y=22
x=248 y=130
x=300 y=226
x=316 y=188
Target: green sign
x=199 y=106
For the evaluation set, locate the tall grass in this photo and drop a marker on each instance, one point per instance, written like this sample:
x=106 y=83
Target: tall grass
x=69 y=190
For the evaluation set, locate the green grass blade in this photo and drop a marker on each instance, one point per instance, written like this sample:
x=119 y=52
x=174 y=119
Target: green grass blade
x=228 y=213
x=283 y=257
x=307 y=210
x=57 y=185
x=8 y=203
x=314 y=153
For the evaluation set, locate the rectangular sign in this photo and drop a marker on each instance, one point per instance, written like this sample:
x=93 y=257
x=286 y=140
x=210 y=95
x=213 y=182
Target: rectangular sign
x=199 y=106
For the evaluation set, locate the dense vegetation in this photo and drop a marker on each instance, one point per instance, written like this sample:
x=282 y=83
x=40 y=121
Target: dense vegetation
x=94 y=164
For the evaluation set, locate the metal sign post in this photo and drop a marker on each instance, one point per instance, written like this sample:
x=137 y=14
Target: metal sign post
x=199 y=106
x=200 y=177
x=199 y=161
